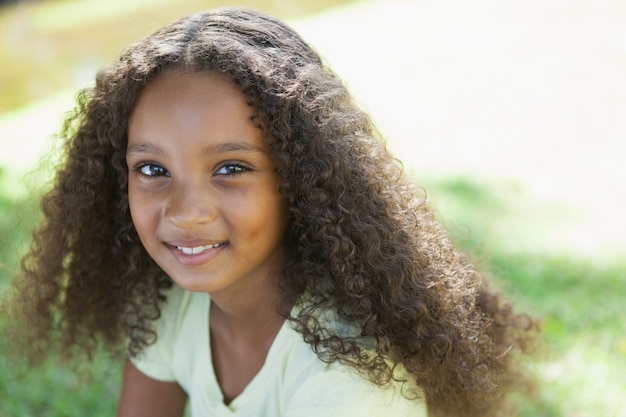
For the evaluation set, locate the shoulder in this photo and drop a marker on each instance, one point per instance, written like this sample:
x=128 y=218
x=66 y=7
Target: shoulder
x=173 y=310
x=155 y=360
x=317 y=388
x=338 y=390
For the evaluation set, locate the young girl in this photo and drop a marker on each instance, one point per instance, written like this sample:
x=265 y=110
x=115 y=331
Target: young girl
x=228 y=216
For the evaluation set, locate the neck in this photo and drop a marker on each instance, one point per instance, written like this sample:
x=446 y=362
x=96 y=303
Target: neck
x=257 y=328
x=247 y=317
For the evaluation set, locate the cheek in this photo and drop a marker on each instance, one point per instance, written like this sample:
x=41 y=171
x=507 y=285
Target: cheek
x=140 y=213
x=271 y=217
x=252 y=218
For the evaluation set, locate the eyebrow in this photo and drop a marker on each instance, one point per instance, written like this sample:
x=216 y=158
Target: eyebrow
x=230 y=147
x=216 y=148
x=144 y=148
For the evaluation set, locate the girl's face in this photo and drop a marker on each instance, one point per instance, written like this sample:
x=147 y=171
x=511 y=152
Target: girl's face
x=203 y=192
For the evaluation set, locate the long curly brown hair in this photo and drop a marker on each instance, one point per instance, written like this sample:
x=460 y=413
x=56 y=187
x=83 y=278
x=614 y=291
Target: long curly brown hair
x=363 y=243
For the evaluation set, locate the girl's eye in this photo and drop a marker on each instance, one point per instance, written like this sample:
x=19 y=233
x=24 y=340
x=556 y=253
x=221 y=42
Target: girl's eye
x=231 y=169
x=152 y=170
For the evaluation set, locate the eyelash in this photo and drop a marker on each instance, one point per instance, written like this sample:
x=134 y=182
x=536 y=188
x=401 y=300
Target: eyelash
x=233 y=169
x=163 y=172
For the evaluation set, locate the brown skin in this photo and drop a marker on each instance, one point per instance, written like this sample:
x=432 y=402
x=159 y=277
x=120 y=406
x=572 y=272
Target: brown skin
x=238 y=355
x=143 y=396
x=239 y=348
x=199 y=174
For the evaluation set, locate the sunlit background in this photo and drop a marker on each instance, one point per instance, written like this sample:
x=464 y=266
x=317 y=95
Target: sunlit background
x=511 y=113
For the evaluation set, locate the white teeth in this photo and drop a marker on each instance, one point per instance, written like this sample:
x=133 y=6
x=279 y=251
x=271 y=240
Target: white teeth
x=197 y=249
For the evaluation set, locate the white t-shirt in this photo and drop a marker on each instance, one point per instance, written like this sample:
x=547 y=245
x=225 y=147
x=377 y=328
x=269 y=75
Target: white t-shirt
x=293 y=382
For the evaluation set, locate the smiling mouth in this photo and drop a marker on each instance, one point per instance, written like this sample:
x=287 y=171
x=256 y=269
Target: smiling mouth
x=199 y=249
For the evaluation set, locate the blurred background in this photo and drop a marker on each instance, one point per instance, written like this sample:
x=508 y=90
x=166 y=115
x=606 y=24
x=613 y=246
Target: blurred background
x=511 y=114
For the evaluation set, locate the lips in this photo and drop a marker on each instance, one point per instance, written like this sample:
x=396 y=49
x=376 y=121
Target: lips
x=198 y=249
x=195 y=252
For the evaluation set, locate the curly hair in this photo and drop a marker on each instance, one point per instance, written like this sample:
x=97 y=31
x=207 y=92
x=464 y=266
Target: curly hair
x=363 y=242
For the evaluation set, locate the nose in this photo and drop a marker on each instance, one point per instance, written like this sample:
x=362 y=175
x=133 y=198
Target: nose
x=190 y=205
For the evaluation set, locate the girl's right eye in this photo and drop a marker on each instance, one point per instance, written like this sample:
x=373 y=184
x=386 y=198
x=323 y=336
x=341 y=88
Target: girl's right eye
x=152 y=170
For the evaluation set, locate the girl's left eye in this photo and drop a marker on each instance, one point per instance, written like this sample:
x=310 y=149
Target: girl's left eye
x=231 y=169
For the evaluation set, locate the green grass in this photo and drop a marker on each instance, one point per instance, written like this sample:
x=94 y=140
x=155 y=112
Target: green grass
x=53 y=391
x=17 y=219
x=579 y=299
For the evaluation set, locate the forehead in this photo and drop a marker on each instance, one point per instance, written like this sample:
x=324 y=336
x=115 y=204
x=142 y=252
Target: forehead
x=199 y=88
x=193 y=110
x=191 y=98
